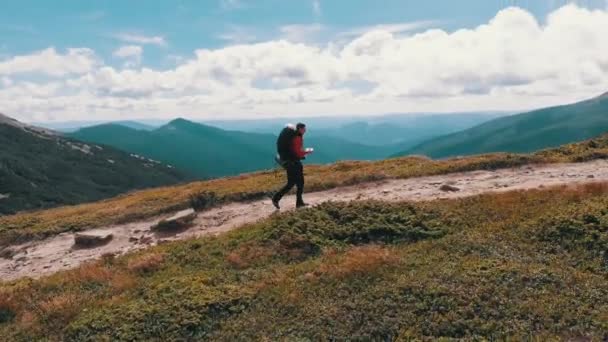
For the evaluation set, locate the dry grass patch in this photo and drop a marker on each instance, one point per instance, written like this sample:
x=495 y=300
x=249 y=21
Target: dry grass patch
x=250 y=254
x=360 y=261
x=60 y=309
x=146 y=263
x=93 y=272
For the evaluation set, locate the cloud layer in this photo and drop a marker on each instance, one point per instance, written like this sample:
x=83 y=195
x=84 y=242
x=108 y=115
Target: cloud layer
x=141 y=39
x=512 y=62
x=130 y=53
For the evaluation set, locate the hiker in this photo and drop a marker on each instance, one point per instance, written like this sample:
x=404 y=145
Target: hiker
x=290 y=156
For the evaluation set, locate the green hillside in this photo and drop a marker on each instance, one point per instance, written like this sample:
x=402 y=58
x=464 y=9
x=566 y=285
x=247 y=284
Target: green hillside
x=39 y=169
x=514 y=266
x=525 y=132
x=210 y=152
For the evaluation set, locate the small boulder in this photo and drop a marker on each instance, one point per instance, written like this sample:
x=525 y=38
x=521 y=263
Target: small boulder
x=91 y=241
x=175 y=224
x=145 y=240
x=448 y=188
x=7 y=253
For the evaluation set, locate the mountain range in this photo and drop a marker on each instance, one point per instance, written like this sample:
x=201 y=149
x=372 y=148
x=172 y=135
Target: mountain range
x=526 y=132
x=42 y=168
x=208 y=152
x=39 y=168
x=400 y=130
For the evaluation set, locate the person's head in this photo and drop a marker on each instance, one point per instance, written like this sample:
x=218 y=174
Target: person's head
x=301 y=128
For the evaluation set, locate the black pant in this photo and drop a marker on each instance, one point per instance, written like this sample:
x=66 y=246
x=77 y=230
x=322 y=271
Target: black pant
x=295 y=176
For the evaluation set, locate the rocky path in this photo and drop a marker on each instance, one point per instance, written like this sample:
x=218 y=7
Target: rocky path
x=38 y=258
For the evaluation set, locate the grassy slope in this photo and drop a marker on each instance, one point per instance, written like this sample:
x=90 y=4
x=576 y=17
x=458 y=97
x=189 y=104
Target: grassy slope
x=525 y=132
x=514 y=265
x=144 y=204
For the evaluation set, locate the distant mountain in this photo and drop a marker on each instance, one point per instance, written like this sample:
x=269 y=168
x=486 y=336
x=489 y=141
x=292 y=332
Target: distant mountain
x=400 y=130
x=208 y=151
x=73 y=126
x=330 y=149
x=135 y=125
x=203 y=150
x=39 y=168
x=525 y=132
x=403 y=131
x=406 y=131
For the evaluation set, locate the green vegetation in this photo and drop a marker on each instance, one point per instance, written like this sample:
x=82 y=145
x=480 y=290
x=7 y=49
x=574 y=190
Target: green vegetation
x=516 y=265
x=210 y=152
x=39 y=170
x=148 y=203
x=522 y=133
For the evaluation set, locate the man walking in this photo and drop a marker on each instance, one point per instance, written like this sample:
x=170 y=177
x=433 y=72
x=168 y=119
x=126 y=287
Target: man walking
x=290 y=154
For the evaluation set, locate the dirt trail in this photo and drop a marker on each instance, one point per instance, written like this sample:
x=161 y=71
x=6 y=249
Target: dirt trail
x=38 y=258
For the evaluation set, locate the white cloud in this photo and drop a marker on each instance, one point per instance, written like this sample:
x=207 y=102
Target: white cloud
x=301 y=33
x=141 y=39
x=128 y=51
x=132 y=53
x=51 y=63
x=391 y=28
x=6 y=82
x=512 y=62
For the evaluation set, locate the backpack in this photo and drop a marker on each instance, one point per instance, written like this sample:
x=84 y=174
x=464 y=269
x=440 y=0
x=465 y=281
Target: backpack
x=284 y=143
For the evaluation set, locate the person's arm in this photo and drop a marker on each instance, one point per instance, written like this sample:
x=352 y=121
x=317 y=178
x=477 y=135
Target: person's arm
x=298 y=151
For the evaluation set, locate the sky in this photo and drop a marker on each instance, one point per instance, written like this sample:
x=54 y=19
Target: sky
x=67 y=60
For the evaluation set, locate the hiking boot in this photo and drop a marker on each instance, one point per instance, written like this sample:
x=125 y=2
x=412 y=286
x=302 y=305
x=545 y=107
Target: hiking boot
x=275 y=202
x=301 y=205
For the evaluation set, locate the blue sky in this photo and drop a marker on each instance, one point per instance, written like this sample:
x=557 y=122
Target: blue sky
x=75 y=60
x=29 y=25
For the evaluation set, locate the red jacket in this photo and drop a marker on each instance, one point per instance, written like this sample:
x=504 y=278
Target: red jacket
x=296 y=147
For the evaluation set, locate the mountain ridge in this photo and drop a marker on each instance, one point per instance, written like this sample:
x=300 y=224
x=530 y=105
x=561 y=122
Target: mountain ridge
x=524 y=132
x=211 y=152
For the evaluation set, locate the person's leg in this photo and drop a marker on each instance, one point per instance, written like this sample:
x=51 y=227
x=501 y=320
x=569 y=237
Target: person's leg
x=291 y=181
x=299 y=181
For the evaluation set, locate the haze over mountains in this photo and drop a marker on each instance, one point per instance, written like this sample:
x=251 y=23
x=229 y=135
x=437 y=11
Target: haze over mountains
x=40 y=168
x=390 y=129
x=244 y=146
x=531 y=131
x=207 y=151
x=368 y=130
